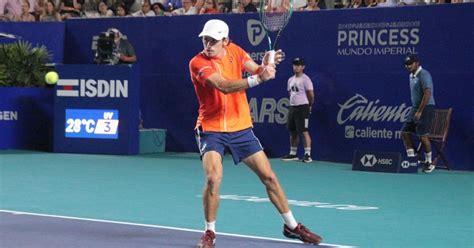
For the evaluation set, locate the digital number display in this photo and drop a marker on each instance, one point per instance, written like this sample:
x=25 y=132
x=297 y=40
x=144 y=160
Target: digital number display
x=92 y=123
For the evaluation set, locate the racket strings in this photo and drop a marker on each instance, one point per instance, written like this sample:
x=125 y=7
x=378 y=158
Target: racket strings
x=275 y=20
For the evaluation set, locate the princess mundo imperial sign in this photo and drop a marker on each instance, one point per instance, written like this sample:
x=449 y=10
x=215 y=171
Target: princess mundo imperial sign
x=378 y=38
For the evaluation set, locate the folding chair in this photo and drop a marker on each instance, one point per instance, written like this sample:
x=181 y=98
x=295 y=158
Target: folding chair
x=438 y=135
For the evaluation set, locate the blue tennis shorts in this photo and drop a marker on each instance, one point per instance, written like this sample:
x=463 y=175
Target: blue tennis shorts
x=240 y=144
x=423 y=125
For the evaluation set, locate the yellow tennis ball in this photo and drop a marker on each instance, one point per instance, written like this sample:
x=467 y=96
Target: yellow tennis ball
x=51 y=77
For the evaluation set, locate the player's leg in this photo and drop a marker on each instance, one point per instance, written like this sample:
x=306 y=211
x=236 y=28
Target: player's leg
x=212 y=150
x=258 y=162
x=212 y=165
x=246 y=147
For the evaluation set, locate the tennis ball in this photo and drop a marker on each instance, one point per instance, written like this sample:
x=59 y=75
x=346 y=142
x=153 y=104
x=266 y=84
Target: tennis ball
x=51 y=77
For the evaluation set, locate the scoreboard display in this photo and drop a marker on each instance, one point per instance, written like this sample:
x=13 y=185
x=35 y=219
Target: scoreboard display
x=92 y=123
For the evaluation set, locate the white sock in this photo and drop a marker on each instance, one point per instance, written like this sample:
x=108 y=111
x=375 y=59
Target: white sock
x=289 y=220
x=307 y=150
x=410 y=152
x=428 y=157
x=293 y=150
x=211 y=226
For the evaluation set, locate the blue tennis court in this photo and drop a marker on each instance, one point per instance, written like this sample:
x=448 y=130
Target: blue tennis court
x=69 y=200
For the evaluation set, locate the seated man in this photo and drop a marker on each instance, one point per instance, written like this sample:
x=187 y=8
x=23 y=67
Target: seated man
x=123 y=48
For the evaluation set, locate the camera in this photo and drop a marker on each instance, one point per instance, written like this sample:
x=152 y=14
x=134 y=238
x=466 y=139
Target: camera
x=105 y=47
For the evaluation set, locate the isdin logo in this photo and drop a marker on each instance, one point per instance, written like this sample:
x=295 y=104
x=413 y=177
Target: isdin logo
x=255 y=32
x=92 y=88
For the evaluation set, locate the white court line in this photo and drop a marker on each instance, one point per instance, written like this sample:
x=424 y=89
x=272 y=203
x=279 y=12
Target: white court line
x=157 y=226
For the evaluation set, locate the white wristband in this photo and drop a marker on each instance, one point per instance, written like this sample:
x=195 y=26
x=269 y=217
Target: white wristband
x=253 y=81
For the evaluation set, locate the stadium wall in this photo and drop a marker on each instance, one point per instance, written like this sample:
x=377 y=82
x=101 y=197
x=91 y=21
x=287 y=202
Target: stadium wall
x=354 y=58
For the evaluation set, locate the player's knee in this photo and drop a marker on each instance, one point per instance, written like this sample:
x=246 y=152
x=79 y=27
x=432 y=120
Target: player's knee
x=270 y=180
x=213 y=182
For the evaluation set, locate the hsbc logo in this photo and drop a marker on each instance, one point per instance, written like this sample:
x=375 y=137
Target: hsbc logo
x=92 y=88
x=406 y=164
x=368 y=160
x=255 y=32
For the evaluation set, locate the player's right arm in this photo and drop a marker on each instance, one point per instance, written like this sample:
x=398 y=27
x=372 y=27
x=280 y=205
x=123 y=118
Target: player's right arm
x=206 y=74
x=229 y=86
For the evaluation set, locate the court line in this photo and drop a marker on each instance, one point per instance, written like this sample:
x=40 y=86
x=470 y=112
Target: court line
x=158 y=226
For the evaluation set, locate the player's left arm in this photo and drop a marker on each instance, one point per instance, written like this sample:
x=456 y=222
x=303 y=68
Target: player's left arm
x=256 y=69
x=427 y=85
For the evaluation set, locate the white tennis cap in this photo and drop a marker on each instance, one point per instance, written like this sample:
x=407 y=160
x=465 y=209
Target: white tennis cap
x=215 y=29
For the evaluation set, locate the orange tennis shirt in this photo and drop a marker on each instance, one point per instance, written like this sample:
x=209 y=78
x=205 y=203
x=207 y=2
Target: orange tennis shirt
x=219 y=112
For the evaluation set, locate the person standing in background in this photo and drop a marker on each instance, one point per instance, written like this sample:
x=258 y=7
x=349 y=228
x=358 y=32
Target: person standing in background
x=300 y=89
x=422 y=111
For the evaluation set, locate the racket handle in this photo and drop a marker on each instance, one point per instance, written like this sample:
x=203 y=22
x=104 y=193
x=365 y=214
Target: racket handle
x=271 y=57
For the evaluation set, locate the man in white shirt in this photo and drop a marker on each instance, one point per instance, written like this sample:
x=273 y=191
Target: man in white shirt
x=145 y=11
x=187 y=9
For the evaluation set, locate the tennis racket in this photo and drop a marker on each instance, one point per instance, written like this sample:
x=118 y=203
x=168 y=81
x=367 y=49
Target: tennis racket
x=274 y=16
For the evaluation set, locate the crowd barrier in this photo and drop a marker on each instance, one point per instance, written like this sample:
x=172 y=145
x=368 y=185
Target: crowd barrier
x=354 y=57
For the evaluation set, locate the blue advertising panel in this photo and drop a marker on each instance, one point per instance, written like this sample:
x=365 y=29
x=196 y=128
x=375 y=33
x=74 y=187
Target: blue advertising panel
x=26 y=118
x=354 y=58
x=96 y=109
x=380 y=161
x=48 y=34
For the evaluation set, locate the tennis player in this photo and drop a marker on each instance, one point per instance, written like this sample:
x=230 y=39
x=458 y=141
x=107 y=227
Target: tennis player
x=224 y=125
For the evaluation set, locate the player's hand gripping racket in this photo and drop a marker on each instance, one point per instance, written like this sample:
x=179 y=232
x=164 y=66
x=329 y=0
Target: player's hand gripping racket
x=274 y=16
